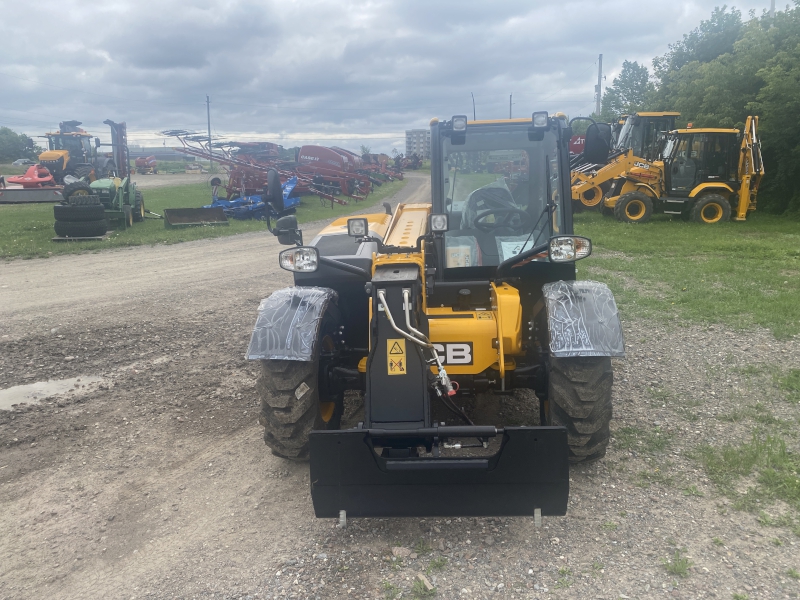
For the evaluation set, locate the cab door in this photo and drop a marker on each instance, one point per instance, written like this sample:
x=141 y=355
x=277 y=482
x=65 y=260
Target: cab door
x=686 y=165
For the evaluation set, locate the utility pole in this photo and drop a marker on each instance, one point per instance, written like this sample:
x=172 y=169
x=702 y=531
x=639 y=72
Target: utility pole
x=772 y=13
x=598 y=88
x=509 y=106
x=208 y=114
x=473 y=106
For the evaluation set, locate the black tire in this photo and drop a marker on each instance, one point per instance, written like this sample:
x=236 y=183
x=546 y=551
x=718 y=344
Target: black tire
x=69 y=212
x=274 y=190
x=78 y=229
x=288 y=419
x=81 y=200
x=82 y=172
x=138 y=208
x=634 y=207
x=579 y=398
x=711 y=209
x=76 y=188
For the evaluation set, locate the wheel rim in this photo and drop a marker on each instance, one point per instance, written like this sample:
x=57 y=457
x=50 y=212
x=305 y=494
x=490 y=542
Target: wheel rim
x=711 y=212
x=634 y=210
x=80 y=193
x=326 y=409
x=141 y=210
x=592 y=197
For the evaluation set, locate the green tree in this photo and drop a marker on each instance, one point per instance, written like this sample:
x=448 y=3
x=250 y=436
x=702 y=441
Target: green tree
x=365 y=150
x=628 y=92
x=16 y=145
x=713 y=38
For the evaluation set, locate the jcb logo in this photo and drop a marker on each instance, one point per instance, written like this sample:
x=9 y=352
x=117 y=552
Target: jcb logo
x=642 y=165
x=455 y=353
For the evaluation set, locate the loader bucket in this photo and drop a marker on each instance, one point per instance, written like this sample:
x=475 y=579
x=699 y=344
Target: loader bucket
x=529 y=472
x=193 y=217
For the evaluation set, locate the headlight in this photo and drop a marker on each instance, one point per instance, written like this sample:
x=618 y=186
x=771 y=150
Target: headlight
x=357 y=227
x=300 y=260
x=438 y=223
x=459 y=123
x=569 y=248
x=540 y=119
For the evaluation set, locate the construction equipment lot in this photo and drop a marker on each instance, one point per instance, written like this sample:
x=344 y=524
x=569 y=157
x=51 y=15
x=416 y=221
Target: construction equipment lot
x=155 y=482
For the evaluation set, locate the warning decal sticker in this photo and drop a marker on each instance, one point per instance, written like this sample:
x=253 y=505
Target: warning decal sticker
x=396 y=356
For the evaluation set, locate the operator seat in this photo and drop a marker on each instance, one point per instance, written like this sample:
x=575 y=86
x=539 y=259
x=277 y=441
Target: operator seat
x=491 y=196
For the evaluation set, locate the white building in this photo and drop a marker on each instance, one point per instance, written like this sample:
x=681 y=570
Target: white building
x=418 y=141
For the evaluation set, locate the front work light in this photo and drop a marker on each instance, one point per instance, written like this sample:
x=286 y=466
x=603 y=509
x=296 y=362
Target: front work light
x=568 y=248
x=302 y=259
x=540 y=119
x=459 y=123
x=439 y=223
x=357 y=227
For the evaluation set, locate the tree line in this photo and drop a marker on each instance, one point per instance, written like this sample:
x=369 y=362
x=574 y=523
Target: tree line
x=717 y=75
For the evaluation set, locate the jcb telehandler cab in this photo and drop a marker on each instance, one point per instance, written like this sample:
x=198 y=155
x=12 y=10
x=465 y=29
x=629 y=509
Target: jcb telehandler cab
x=474 y=292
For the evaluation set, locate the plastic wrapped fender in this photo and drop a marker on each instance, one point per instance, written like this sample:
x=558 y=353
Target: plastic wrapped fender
x=288 y=322
x=583 y=319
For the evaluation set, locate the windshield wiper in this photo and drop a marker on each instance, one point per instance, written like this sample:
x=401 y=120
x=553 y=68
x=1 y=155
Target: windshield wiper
x=548 y=207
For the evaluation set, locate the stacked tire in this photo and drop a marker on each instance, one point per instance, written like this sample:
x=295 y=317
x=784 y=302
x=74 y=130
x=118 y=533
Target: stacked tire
x=81 y=215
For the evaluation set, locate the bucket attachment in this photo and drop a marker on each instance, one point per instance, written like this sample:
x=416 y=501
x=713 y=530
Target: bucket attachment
x=193 y=217
x=529 y=472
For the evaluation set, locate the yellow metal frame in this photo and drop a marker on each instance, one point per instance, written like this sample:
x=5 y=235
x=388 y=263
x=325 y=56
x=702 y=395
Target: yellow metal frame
x=496 y=334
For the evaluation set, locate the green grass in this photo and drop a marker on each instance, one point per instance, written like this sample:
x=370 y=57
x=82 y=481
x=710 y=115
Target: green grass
x=651 y=441
x=790 y=383
x=419 y=591
x=8 y=169
x=764 y=459
x=390 y=591
x=26 y=230
x=793 y=573
x=436 y=564
x=741 y=274
x=678 y=564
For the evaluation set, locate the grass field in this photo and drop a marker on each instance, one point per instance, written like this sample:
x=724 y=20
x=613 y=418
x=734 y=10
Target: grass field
x=26 y=230
x=740 y=274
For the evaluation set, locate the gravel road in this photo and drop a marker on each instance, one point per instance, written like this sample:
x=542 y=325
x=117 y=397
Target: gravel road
x=154 y=482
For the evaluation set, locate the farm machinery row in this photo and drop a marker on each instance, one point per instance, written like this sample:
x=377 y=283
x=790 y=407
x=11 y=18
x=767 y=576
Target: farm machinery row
x=332 y=174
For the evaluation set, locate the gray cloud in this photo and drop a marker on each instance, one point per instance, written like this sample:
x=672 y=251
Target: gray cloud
x=316 y=69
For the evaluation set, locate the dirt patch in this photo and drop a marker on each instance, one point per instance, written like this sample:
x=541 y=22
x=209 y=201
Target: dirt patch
x=157 y=484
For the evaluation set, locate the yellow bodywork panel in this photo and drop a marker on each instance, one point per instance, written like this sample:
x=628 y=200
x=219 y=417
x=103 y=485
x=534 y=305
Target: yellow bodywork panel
x=53 y=155
x=478 y=328
x=378 y=223
x=658 y=114
x=723 y=188
x=410 y=221
x=496 y=121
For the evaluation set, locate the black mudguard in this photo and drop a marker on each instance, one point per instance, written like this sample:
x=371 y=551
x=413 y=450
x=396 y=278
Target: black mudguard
x=529 y=472
x=288 y=323
x=582 y=319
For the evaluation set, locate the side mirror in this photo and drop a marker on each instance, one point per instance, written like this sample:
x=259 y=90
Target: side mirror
x=287 y=232
x=96 y=142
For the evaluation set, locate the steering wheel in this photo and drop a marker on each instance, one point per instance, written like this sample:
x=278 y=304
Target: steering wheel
x=503 y=217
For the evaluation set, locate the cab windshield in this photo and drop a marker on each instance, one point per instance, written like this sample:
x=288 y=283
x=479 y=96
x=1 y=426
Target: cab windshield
x=496 y=190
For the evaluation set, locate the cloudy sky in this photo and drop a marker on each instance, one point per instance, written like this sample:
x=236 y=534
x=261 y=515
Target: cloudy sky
x=344 y=72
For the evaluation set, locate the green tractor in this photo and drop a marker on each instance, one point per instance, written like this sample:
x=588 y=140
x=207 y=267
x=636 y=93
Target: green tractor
x=89 y=208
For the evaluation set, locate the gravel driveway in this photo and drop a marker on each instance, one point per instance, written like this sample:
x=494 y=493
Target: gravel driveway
x=154 y=482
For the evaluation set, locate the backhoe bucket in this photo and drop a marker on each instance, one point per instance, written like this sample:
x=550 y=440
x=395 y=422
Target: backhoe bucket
x=529 y=472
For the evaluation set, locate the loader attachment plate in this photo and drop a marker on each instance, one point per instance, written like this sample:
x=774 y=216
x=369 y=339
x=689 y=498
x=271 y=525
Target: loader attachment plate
x=529 y=472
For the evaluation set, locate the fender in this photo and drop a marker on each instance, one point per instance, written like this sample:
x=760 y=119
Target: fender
x=582 y=319
x=704 y=187
x=288 y=323
x=645 y=187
